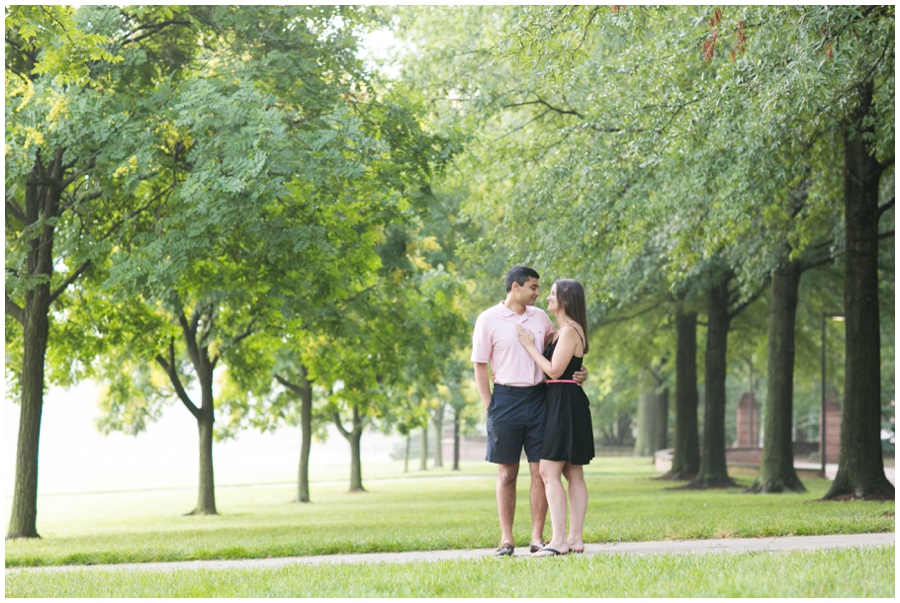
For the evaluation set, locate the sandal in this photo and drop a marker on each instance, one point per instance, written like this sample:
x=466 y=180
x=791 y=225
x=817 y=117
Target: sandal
x=505 y=550
x=547 y=552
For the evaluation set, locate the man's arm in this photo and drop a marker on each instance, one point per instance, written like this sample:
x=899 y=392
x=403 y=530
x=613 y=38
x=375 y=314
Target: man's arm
x=483 y=383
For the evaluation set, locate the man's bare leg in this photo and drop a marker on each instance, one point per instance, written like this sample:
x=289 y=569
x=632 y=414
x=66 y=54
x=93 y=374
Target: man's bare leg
x=506 y=500
x=538 y=499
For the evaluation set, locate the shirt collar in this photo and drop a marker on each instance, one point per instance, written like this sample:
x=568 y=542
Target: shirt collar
x=529 y=310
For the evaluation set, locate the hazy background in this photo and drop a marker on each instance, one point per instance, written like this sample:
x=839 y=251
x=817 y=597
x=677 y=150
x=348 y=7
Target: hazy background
x=75 y=457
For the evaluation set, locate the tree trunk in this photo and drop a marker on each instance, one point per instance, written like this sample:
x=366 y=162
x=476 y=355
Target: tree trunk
x=713 y=472
x=456 y=439
x=423 y=452
x=206 y=494
x=23 y=522
x=406 y=455
x=686 y=456
x=204 y=367
x=438 y=443
x=306 y=435
x=661 y=422
x=353 y=437
x=41 y=202
x=777 y=472
x=860 y=466
x=643 y=445
x=355 y=457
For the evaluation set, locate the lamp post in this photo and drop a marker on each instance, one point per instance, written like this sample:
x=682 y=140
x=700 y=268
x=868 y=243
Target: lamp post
x=835 y=316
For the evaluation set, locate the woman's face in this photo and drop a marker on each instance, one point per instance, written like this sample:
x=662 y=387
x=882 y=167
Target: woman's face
x=551 y=300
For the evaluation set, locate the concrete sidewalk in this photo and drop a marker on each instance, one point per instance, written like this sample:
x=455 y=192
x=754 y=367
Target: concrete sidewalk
x=719 y=545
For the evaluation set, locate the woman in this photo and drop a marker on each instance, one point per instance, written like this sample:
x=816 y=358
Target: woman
x=568 y=433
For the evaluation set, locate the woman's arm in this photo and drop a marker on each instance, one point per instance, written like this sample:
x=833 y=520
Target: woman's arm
x=565 y=349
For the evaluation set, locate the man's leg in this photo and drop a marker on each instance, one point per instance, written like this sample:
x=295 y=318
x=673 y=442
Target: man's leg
x=538 y=500
x=506 y=500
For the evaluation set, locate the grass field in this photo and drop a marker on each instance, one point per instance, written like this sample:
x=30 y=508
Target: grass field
x=833 y=573
x=454 y=512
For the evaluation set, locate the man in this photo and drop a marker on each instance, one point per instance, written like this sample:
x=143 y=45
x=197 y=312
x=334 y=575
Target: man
x=515 y=408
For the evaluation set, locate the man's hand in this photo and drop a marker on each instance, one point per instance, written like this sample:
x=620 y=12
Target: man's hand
x=580 y=376
x=483 y=384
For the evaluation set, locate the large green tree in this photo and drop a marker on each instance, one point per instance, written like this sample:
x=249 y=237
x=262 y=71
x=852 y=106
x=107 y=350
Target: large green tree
x=274 y=193
x=80 y=141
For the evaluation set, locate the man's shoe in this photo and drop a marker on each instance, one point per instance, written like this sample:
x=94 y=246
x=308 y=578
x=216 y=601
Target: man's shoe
x=505 y=550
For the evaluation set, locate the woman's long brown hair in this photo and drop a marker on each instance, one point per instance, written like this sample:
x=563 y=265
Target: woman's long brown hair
x=570 y=294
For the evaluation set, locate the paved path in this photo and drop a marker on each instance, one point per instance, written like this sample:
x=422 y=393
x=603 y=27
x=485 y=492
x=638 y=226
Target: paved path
x=719 y=545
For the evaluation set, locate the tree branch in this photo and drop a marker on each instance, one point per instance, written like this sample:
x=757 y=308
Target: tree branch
x=190 y=331
x=13 y=209
x=121 y=221
x=749 y=300
x=246 y=333
x=90 y=164
x=291 y=386
x=541 y=101
x=13 y=309
x=151 y=30
x=62 y=287
x=169 y=367
x=885 y=235
x=340 y=426
x=236 y=340
x=886 y=206
x=886 y=163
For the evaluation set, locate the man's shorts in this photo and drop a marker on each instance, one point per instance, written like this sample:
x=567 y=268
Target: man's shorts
x=515 y=419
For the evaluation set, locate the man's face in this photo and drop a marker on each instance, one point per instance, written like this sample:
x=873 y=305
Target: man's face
x=528 y=293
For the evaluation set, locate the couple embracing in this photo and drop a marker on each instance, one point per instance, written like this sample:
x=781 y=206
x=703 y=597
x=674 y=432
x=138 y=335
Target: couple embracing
x=537 y=404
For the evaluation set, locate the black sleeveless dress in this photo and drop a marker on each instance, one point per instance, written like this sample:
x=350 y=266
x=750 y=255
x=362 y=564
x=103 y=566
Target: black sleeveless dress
x=568 y=432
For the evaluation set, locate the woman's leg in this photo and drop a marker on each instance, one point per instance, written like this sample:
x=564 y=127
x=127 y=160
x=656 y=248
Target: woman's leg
x=551 y=473
x=578 y=502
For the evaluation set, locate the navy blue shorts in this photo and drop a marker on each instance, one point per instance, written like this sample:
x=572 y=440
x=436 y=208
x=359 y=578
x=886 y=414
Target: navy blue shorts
x=515 y=419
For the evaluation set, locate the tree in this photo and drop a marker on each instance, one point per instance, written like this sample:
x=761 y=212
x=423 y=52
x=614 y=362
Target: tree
x=267 y=179
x=686 y=452
x=860 y=467
x=70 y=189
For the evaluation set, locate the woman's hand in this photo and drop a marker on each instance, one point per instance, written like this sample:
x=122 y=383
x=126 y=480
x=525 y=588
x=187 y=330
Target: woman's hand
x=526 y=337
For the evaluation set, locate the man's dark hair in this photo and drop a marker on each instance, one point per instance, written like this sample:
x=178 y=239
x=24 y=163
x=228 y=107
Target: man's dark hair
x=519 y=274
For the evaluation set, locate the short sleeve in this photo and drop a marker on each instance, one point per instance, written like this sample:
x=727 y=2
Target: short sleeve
x=481 y=340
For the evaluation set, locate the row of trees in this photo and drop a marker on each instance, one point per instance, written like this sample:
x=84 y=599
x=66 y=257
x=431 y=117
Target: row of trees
x=222 y=206
x=225 y=206
x=685 y=162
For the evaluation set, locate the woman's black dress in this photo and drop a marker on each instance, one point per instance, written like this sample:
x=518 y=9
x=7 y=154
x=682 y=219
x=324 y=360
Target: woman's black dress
x=568 y=432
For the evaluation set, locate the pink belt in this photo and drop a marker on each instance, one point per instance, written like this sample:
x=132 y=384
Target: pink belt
x=561 y=381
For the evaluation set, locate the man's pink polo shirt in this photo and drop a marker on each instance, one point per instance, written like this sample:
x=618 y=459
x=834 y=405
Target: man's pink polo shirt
x=494 y=341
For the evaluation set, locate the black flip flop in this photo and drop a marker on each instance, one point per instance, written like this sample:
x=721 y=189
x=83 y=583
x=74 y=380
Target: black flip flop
x=550 y=552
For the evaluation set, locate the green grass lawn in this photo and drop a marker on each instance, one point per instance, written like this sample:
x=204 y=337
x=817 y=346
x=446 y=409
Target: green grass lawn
x=831 y=573
x=417 y=514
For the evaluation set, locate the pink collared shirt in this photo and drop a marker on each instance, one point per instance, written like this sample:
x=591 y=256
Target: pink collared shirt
x=494 y=341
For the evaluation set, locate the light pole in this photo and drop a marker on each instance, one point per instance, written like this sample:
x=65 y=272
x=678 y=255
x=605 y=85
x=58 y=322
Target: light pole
x=835 y=316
